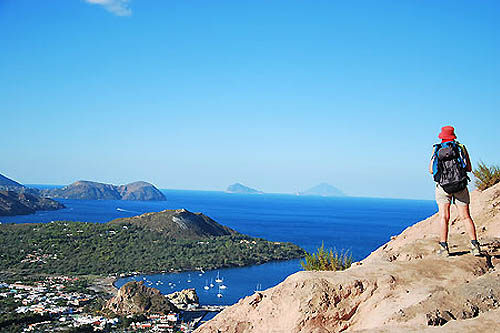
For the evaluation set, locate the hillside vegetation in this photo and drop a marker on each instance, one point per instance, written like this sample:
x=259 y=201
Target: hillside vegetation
x=123 y=247
x=178 y=224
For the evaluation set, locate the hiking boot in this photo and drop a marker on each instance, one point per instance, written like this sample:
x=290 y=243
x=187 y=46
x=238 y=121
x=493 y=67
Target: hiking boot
x=475 y=249
x=443 y=251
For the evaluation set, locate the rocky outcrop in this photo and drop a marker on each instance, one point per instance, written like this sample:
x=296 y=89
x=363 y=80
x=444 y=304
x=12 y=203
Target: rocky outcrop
x=86 y=190
x=135 y=298
x=179 y=224
x=184 y=298
x=401 y=287
x=23 y=203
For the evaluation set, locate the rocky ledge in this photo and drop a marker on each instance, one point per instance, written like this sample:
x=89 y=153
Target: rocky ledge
x=401 y=287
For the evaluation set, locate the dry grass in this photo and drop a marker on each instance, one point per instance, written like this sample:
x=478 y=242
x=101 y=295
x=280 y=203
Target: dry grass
x=327 y=260
x=486 y=176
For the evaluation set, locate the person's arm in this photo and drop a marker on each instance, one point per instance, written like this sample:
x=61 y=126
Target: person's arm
x=431 y=163
x=467 y=160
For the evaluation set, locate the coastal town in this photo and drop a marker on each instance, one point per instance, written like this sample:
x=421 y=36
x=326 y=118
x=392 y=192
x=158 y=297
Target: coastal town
x=69 y=304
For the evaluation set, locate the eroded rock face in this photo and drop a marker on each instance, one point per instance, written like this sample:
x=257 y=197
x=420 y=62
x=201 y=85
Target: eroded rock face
x=401 y=287
x=135 y=298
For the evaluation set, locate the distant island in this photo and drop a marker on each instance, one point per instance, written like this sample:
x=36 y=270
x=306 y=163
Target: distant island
x=88 y=190
x=324 y=190
x=242 y=189
x=171 y=240
x=17 y=199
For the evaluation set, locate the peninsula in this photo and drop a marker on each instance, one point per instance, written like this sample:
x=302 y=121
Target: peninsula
x=17 y=199
x=171 y=240
x=88 y=190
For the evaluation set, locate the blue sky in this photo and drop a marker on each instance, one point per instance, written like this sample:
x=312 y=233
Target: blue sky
x=278 y=95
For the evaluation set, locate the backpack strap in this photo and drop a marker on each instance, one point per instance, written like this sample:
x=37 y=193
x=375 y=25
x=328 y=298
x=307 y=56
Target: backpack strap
x=435 y=161
x=463 y=158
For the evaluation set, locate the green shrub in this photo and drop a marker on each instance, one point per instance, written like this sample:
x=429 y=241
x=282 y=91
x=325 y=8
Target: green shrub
x=486 y=176
x=327 y=260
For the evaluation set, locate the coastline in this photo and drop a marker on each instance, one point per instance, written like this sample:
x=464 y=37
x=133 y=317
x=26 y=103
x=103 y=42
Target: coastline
x=104 y=284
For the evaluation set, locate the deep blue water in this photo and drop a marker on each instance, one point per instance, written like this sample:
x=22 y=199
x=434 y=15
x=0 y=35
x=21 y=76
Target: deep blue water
x=357 y=224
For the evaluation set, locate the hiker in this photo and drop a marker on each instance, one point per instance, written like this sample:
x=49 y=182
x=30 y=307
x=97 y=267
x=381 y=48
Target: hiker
x=449 y=165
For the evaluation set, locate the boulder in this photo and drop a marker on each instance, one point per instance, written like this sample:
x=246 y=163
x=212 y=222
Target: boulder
x=135 y=298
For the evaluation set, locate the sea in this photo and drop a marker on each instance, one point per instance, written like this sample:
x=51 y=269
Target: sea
x=353 y=224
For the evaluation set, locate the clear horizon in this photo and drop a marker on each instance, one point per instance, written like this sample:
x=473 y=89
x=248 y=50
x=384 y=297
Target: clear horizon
x=224 y=190
x=277 y=95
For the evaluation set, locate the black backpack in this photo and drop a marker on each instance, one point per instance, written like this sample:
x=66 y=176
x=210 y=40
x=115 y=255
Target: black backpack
x=451 y=172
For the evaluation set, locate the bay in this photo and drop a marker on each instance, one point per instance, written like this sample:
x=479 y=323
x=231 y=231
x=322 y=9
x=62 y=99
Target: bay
x=359 y=225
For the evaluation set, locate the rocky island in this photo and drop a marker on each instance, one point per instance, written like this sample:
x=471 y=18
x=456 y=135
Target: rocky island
x=242 y=189
x=401 y=287
x=88 y=190
x=17 y=199
x=324 y=190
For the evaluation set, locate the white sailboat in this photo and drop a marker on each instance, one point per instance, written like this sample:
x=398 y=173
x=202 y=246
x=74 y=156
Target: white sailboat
x=211 y=283
x=206 y=285
x=219 y=294
x=189 y=278
x=218 y=279
x=222 y=285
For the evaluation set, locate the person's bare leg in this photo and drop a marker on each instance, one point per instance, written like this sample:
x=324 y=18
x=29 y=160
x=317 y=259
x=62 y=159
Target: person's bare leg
x=444 y=218
x=467 y=220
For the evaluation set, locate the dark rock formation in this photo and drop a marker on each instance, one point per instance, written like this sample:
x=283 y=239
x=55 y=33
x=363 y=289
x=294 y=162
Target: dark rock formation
x=135 y=298
x=240 y=188
x=87 y=190
x=179 y=224
x=23 y=203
